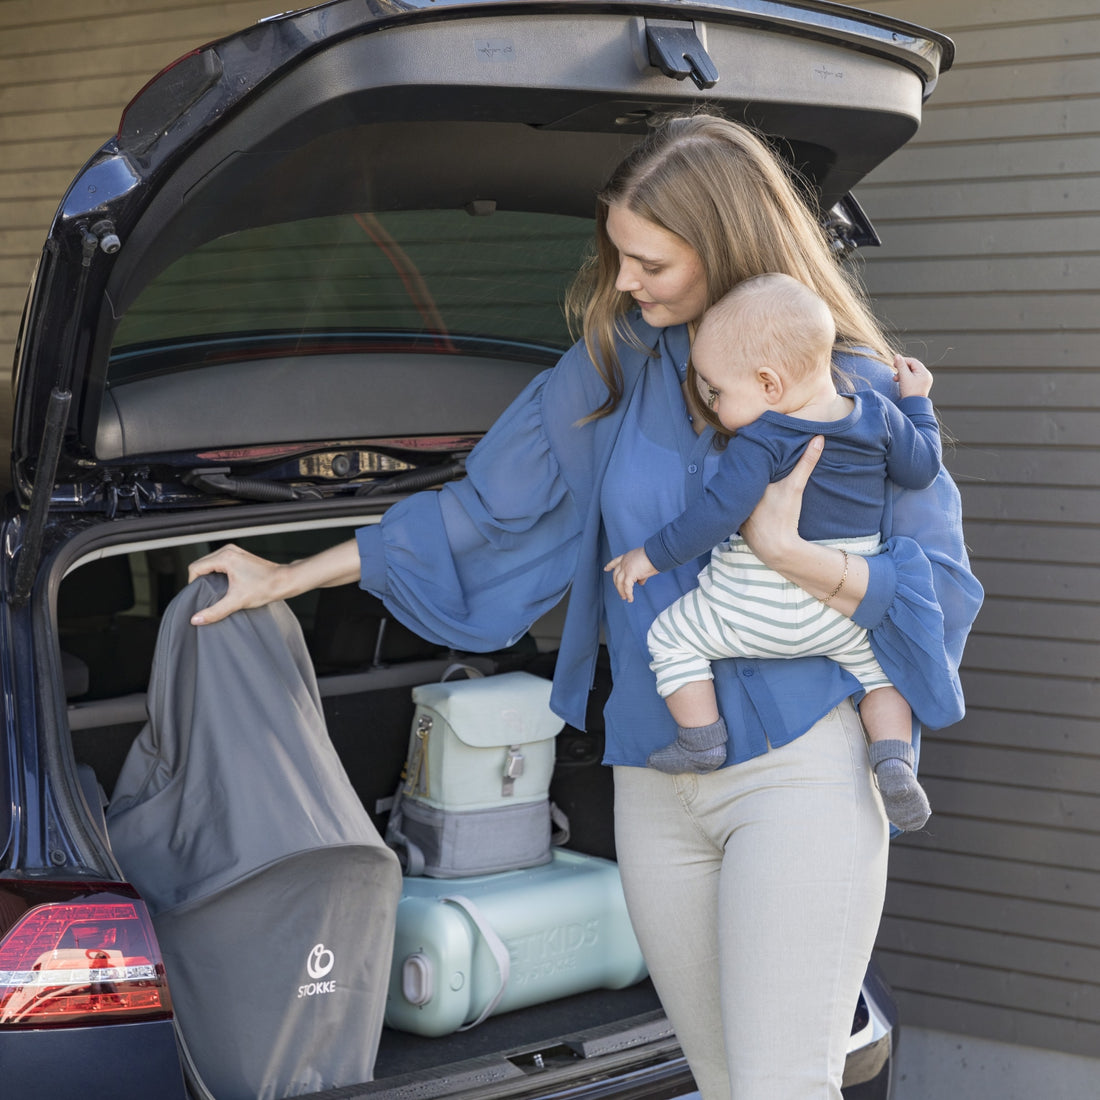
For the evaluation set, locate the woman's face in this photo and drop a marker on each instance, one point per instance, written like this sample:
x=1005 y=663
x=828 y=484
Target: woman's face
x=658 y=269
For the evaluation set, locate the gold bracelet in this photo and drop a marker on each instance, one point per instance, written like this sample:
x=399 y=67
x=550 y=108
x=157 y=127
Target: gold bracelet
x=840 y=583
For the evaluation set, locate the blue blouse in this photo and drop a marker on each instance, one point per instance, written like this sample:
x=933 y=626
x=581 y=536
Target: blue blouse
x=548 y=501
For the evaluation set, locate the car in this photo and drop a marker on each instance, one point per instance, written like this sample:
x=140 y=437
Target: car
x=314 y=263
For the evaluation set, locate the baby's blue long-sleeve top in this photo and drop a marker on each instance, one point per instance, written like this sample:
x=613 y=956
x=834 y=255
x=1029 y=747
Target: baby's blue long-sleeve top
x=846 y=494
x=547 y=501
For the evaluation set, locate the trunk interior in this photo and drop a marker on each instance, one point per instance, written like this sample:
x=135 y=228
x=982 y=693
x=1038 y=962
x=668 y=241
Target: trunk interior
x=367 y=663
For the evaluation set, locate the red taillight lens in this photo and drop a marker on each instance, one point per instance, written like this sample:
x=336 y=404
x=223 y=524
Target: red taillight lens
x=78 y=955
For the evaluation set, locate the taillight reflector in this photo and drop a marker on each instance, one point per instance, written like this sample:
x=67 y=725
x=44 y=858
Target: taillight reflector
x=88 y=957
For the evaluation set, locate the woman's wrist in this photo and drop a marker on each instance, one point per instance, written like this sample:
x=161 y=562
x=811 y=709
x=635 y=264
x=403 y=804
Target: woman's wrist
x=831 y=575
x=337 y=565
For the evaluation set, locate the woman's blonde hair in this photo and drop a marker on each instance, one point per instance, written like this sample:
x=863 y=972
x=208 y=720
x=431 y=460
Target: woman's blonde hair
x=718 y=186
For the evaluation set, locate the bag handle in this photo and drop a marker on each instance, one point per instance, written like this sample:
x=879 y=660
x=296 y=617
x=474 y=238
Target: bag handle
x=472 y=673
x=496 y=948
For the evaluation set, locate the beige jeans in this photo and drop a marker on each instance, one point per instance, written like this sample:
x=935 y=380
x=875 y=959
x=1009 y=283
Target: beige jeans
x=756 y=892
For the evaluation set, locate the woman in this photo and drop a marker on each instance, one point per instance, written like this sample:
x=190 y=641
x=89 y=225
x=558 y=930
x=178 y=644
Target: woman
x=756 y=889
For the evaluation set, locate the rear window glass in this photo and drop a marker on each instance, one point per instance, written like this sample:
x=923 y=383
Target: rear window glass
x=455 y=280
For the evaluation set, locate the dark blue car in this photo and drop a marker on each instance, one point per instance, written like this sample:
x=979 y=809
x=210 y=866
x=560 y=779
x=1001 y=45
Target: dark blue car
x=315 y=262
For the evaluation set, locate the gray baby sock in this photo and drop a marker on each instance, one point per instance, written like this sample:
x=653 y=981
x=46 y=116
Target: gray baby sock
x=696 y=749
x=904 y=798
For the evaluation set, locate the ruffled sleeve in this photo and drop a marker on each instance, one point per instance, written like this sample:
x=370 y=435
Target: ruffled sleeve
x=922 y=599
x=474 y=564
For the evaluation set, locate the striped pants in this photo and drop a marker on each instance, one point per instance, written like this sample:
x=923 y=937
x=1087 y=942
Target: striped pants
x=744 y=609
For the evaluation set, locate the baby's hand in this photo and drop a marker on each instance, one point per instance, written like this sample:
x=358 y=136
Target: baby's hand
x=913 y=376
x=629 y=569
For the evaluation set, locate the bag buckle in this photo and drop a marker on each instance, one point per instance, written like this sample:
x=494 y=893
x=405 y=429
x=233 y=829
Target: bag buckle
x=513 y=769
x=417 y=777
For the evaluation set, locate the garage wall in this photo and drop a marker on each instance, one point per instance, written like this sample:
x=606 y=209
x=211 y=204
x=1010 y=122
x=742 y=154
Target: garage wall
x=67 y=69
x=991 y=268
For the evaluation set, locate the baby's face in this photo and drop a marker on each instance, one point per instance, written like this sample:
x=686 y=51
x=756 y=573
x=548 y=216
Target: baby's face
x=728 y=386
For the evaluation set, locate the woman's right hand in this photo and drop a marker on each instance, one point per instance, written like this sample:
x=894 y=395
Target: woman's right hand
x=772 y=534
x=255 y=581
x=772 y=529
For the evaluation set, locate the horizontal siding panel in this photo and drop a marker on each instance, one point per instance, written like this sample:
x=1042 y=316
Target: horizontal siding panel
x=989 y=236
x=1059 y=657
x=981 y=159
x=22 y=242
x=73 y=124
x=1026 y=805
x=9 y=331
x=912 y=860
x=1023 y=503
x=1040 y=696
x=19 y=12
x=1004 y=389
x=1051 y=312
x=139 y=27
x=1003 y=839
x=66 y=155
x=1039 y=770
x=988 y=84
x=131 y=63
x=1078 y=965
x=1008 y=274
x=1007 y=730
x=1006 y=1025
x=948 y=203
x=1013 y=121
x=1042 y=426
x=947 y=350
x=994 y=912
x=970 y=462
x=1056 y=621
x=994 y=985
x=949 y=17
x=46 y=96
x=1024 y=45
x=31 y=186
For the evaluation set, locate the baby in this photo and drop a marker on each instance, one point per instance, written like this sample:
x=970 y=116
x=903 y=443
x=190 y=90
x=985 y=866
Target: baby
x=763 y=355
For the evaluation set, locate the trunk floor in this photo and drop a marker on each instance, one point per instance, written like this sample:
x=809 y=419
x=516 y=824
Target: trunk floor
x=536 y=1026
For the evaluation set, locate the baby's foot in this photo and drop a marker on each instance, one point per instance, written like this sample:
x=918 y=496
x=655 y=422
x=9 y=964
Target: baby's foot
x=902 y=795
x=696 y=749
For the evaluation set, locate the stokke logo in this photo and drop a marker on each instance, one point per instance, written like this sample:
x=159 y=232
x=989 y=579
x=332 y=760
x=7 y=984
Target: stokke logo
x=321 y=960
x=319 y=963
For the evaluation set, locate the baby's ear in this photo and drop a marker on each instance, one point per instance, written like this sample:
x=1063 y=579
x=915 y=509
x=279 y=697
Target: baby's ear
x=771 y=384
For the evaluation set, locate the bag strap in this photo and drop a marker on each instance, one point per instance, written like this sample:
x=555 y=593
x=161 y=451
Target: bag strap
x=496 y=947
x=408 y=854
x=560 y=821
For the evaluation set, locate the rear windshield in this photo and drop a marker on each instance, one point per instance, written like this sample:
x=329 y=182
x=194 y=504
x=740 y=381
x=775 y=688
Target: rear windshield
x=448 y=279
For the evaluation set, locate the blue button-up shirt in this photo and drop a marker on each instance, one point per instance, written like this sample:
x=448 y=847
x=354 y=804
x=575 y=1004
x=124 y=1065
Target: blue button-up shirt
x=547 y=501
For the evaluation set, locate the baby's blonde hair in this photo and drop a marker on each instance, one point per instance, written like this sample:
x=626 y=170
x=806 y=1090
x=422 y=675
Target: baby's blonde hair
x=773 y=320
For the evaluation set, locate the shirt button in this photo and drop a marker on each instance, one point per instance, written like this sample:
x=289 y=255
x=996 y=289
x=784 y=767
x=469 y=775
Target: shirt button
x=747 y=672
x=693 y=469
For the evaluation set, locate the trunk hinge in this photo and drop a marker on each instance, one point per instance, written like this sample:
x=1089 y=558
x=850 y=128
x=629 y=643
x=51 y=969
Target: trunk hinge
x=101 y=236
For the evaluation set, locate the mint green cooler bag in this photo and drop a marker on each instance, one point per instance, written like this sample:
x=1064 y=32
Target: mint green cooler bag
x=475 y=796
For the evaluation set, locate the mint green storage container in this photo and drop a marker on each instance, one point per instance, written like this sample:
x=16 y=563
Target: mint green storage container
x=469 y=948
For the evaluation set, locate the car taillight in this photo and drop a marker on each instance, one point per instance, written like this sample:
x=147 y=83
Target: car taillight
x=73 y=954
